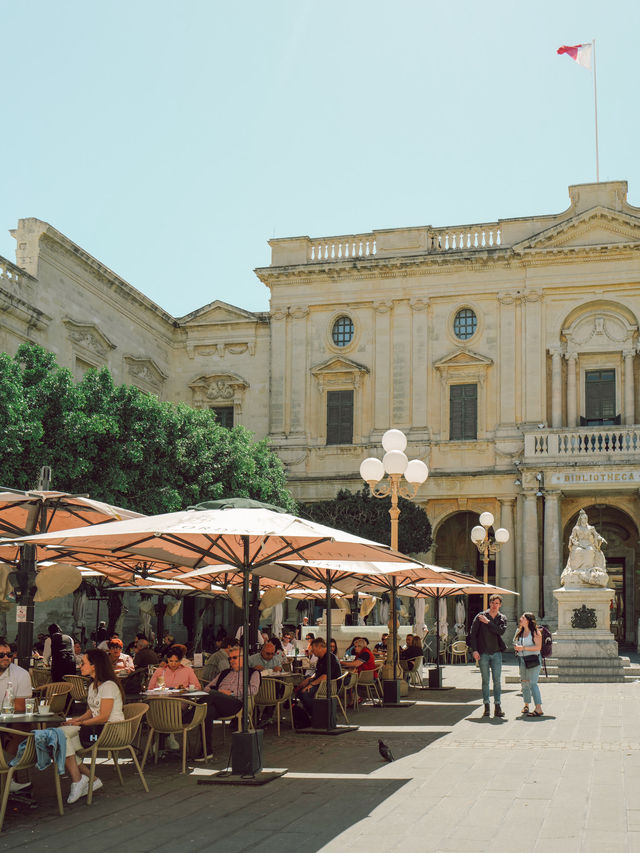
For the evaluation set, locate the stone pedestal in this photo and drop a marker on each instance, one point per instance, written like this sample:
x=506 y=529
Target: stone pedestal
x=583 y=645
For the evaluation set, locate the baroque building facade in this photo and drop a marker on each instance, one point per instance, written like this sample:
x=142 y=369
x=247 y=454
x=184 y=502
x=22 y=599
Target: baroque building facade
x=506 y=351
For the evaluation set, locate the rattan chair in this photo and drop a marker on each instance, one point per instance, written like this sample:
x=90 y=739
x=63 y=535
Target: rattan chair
x=198 y=672
x=349 y=689
x=368 y=685
x=164 y=717
x=267 y=697
x=238 y=716
x=336 y=690
x=115 y=738
x=458 y=650
x=26 y=762
x=79 y=687
x=39 y=676
x=57 y=694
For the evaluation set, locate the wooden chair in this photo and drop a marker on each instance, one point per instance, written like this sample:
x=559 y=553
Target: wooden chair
x=57 y=694
x=115 y=738
x=39 y=676
x=458 y=650
x=267 y=697
x=164 y=717
x=26 y=762
x=336 y=690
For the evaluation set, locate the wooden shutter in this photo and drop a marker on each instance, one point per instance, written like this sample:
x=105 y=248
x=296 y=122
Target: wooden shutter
x=339 y=417
x=463 y=412
x=600 y=396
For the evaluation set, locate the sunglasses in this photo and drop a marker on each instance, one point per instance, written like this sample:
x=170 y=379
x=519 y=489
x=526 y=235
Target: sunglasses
x=6 y=654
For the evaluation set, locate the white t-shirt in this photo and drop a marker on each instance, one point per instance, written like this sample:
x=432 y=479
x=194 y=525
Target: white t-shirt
x=107 y=690
x=20 y=679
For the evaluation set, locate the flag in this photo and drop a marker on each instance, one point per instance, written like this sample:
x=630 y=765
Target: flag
x=581 y=53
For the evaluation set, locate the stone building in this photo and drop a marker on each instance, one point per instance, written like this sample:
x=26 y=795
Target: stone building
x=506 y=351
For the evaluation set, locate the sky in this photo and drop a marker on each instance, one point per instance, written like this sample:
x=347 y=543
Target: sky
x=173 y=140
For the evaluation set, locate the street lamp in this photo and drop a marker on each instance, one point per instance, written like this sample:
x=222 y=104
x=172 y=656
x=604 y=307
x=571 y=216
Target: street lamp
x=397 y=467
x=488 y=546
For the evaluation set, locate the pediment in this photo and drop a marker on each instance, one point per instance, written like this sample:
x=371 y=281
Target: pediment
x=218 y=313
x=599 y=226
x=217 y=381
x=145 y=370
x=88 y=336
x=338 y=365
x=463 y=358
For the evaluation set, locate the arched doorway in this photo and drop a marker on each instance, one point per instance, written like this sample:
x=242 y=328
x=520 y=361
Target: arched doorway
x=455 y=550
x=621 y=552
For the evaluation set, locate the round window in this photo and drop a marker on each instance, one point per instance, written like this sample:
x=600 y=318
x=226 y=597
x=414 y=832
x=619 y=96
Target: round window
x=465 y=324
x=342 y=332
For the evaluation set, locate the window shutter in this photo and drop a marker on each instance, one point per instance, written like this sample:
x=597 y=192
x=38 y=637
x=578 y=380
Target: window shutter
x=463 y=412
x=600 y=396
x=339 y=417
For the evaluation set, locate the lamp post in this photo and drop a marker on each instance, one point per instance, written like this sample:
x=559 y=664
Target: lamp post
x=488 y=546
x=398 y=468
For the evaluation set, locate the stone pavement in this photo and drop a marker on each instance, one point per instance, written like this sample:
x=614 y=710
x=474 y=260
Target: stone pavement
x=569 y=781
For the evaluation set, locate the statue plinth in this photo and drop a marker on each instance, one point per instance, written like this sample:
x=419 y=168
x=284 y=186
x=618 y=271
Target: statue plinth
x=584 y=623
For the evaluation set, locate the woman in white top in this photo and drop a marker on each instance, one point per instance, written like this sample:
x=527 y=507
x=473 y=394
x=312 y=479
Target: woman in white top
x=527 y=644
x=104 y=705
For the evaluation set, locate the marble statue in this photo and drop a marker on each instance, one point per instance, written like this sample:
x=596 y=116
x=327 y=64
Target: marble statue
x=586 y=563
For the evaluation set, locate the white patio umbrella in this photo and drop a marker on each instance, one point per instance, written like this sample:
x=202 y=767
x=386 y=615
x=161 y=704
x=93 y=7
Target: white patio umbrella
x=244 y=534
x=419 y=607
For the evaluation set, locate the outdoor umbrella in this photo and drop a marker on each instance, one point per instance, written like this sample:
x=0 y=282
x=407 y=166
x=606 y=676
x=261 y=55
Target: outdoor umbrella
x=241 y=533
x=40 y=511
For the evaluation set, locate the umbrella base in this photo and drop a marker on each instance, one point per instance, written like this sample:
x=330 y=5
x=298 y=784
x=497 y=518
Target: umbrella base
x=226 y=778
x=246 y=753
x=391 y=695
x=339 y=730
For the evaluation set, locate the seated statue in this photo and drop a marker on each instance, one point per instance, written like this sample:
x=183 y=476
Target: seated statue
x=586 y=563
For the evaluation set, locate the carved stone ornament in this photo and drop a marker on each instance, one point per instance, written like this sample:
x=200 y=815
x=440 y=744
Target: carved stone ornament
x=584 y=617
x=87 y=336
x=222 y=386
x=586 y=565
x=219 y=390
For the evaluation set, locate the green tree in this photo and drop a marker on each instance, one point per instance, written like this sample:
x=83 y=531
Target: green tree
x=121 y=445
x=362 y=514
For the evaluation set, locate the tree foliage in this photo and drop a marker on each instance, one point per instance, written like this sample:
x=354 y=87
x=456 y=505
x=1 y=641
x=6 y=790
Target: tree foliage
x=120 y=445
x=362 y=514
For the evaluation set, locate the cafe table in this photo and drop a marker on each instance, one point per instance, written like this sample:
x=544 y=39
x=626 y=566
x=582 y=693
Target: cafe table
x=8 y=720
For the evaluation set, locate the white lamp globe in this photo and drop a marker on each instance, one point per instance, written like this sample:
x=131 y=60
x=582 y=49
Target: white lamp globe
x=394 y=439
x=486 y=519
x=371 y=470
x=502 y=535
x=395 y=462
x=477 y=534
x=416 y=472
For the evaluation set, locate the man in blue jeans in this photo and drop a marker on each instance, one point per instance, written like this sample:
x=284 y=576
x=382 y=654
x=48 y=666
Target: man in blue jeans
x=487 y=646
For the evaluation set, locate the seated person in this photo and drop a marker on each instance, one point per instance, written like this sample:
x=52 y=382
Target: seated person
x=21 y=681
x=266 y=658
x=175 y=673
x=77 y=650
x=308 y=688
x=288 y=646
x=219 y=660
x=364 y=659
x=119 y=661
x=278 y=644
x=411 y=651
x=382 y=645
x=144 y=656
x=310 y=655
x=226 y=691
x=352 y=648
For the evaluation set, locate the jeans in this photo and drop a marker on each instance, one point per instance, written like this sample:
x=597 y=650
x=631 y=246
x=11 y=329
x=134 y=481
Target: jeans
x=307 y=697
x=494 y=663
x=529 y=681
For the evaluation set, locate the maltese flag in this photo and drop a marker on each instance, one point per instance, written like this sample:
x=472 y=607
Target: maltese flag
x=581 y=53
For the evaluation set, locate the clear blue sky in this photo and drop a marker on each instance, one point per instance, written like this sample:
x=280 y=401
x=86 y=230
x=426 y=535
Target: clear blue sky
x=172 y=140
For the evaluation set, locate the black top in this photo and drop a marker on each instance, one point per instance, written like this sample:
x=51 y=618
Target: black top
x=321 y=667
x=411 y=653
x=62 y=647
x=146 y=657
x=487 y=639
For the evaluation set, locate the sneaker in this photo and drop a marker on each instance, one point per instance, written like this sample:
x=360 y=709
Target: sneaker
x=172 y=743
x=14 y=787
x=97 y=784
x=78 y=789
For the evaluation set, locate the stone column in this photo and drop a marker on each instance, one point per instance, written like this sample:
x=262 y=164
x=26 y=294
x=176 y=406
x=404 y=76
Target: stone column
x=506 y=560
x=530 y=592
x=572 y=398
x=629 y=397
x=401 y=383
x=298 y=369
x=278 y=371
x=382 y=391
x=556 y=388
x=419 y=360
x=552 y=557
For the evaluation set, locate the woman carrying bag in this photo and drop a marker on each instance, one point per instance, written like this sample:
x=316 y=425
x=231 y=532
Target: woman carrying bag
x=527 y=644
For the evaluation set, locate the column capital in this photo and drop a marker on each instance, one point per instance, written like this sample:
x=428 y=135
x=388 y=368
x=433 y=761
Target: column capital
x=571 y=356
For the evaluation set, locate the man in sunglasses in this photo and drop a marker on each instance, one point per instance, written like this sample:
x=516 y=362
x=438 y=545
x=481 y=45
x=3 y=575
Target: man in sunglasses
x=21 y=684
x=226 y=691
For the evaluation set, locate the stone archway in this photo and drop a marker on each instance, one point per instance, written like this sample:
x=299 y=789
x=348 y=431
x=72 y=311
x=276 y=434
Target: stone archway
x=455 y=550
x=623 y=556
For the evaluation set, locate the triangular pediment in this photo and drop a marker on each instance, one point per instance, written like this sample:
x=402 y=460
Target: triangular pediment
x=88 y=336
x=599 y=226
x=463 y=358
x=338 y=365
x=218 y=313
x=145 y=370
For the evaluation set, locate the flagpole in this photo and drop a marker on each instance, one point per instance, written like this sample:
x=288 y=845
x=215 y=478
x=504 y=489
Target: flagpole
x=595 y=104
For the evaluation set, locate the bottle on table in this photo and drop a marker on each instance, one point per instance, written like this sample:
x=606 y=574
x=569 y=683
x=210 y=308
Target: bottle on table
x=8 y=703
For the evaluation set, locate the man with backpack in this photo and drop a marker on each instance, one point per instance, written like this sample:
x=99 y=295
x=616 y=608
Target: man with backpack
x=487 y=647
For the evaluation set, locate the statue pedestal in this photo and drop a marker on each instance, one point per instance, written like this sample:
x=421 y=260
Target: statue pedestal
x=583 y=645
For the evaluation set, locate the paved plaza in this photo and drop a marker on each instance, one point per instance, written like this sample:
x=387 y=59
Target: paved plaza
x=567 y=782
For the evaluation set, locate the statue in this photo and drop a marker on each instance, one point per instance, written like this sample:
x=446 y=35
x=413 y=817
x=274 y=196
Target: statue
x=586 y=563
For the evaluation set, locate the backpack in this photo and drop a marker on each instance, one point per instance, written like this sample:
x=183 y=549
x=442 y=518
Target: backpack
x=547 y=641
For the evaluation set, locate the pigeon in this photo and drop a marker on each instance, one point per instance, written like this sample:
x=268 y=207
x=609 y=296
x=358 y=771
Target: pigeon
x=385 y=752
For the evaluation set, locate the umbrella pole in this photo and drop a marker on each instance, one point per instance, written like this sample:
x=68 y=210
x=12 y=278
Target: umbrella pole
x=245 y=643
x=25 y=584
x=391 y=687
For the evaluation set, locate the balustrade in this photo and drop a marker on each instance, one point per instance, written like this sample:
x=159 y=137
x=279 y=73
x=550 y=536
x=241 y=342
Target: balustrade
x=587 y=443
x=340 y=248
x=465 y=237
